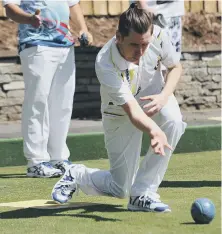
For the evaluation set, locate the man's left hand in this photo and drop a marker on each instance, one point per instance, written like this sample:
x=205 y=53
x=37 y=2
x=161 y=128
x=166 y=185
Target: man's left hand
x=155 y=105
x=89 y=36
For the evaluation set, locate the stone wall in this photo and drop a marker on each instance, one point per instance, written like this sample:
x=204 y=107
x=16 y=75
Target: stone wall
x=200 y=86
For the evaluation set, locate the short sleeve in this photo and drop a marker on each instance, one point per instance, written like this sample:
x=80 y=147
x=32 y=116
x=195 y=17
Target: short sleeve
x=169 y=55
x=72 y=2
x=114 y=87
x=5 y=2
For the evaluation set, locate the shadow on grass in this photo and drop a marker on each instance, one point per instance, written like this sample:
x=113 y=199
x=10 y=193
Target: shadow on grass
x=87 y=213
x=191 y=223
x=164 y=184
x=12 y=176
x=190 y=184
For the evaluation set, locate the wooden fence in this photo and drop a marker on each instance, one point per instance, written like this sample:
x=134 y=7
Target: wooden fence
x=115 y=7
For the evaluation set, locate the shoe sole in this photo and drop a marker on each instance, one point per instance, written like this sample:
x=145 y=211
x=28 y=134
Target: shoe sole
x=56 y=201
x=143 y=209
x=42 y=176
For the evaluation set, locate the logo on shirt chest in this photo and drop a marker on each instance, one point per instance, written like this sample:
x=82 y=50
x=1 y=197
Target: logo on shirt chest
x=158 y=62
x=131 y=78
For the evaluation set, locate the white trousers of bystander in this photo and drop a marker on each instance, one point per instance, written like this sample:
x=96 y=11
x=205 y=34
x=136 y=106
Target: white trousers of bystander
x=49 y=77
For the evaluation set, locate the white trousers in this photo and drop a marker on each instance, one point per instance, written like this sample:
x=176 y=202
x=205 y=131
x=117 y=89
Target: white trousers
x=123 y=143
x=49 y=77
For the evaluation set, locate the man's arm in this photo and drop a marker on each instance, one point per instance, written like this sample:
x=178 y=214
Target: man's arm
x=159 y=100
x=78 y=18
x=15 y=13
x=140 y=120
x=172 y=79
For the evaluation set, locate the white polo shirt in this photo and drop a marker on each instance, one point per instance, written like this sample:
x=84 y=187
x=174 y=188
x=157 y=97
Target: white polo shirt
x=122 y=81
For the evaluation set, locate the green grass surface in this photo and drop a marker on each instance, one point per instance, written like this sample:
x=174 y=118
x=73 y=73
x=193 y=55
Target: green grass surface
x=189 y=176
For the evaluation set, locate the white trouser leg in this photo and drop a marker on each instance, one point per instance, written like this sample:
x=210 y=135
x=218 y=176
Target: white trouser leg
x=123 y=144
x=39 y=65
x=60 y=106
x=153 y=167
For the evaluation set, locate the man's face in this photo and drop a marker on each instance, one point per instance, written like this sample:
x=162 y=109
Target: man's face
x=133 y=46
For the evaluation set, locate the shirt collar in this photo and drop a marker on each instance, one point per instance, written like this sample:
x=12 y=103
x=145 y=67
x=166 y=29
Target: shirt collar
x=118 y=60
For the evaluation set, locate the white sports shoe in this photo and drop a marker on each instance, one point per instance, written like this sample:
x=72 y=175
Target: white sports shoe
x=43 y=170
x=149 y=202
x=64 y=189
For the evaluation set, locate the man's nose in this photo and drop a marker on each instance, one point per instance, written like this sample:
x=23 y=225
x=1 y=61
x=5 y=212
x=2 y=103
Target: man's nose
x=139 y=50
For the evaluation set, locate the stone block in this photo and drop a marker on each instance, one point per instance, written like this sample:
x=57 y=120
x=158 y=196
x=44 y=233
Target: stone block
x=218 y=98
x=10 y=68
x=193 y=64
x=81 y=89
x=200 y=100
x=203 y=78
x=214 y=70
x=15 y=93
x=14 y=85
x=8 y=110
x=83 y=81
x=83 y=105
x=93 y=88
x=85 y=64
x=186 y=79
x=14 y=117
x=216 y=78
x=17 y=77
x=209 y=105
x=5 y=78
x=3 y=118
x=80 y=72
x=199 y=73
x=11 y=101
x=2 y=94
x=189 y=93
x=216 y=62
x=188 y=107
x=188 y=85
x=209 y=56
x=81 y=97
x=208 y=92
x=86 y=57
x=18 y=108
x=211 y=85
x=191 y=56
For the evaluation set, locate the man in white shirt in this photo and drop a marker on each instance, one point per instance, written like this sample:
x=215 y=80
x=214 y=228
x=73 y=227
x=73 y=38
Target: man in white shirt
x=46 y=49
x=128 y=71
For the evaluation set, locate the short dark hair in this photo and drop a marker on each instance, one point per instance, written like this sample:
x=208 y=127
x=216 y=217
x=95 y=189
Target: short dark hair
x=135 y=19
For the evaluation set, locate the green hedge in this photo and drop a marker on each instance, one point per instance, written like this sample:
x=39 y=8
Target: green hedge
x=91 y=146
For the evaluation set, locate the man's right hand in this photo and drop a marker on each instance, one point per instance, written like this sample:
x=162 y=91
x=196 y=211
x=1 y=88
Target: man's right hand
x=159 y=141
x=36 y=19
x=140 y=120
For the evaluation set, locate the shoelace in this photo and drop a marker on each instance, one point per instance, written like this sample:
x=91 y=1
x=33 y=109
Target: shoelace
x=69 y=188
x=149 y=197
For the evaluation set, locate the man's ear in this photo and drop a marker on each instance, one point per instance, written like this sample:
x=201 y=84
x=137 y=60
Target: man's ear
x=119 y=37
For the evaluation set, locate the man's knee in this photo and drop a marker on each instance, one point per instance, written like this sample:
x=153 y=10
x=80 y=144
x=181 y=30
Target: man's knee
x=176 y=125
